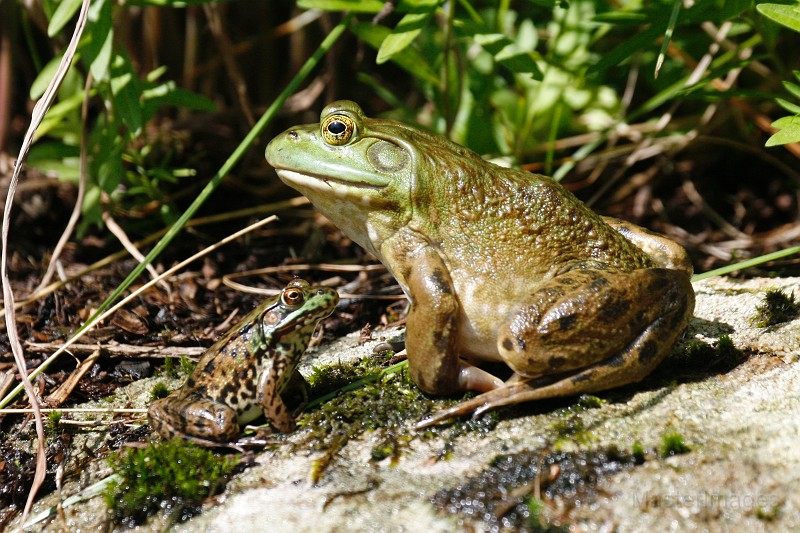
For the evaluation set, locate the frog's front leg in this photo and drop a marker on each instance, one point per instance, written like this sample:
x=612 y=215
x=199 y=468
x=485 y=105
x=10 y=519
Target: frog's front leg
x=194 y=418
x=268 y=396
x=585 y=331
x=431 y=331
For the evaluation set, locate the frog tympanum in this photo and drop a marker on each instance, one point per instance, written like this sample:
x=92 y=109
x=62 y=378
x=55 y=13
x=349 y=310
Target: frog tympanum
x=499 y=264
x=245 y=372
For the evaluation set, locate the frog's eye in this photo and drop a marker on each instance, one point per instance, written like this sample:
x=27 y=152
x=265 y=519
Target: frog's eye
x=292 y=296
x=337 y=130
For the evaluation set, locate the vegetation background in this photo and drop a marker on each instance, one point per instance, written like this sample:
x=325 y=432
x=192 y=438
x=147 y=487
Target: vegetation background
x=682 y=116
x=655 y=111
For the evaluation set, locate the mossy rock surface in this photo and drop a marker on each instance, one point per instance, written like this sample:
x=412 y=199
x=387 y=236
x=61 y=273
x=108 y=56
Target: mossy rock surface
x=738 y=466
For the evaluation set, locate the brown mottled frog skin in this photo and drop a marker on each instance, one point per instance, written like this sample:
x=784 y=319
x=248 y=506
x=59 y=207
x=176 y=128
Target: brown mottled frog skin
x=499 y=264
x=245 y=372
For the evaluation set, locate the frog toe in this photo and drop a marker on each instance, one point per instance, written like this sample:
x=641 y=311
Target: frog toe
x=472 y=378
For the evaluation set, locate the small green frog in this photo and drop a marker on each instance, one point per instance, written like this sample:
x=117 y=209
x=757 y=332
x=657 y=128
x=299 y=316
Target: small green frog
x=499 y=264
x=245 y=372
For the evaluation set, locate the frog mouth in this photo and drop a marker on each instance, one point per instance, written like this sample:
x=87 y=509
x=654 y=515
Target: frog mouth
x=315 y=181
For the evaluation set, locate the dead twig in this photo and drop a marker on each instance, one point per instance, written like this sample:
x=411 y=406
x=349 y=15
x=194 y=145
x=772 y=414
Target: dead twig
x=327 y=267
x=58 y=396
x=99 y=410
x=122 y=350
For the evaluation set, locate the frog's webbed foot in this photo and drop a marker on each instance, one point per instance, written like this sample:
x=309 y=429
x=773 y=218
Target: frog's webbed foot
x=477 y=405
x=262 y=436
x=207 y=443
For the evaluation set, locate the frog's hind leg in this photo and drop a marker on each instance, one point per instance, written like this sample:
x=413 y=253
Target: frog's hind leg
x=607 y=374
x=628 y=365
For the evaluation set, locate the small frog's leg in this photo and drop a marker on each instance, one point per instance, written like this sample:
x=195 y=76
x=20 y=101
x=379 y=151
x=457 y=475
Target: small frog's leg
x=268 y=397
x=194 y=418
x=589 y=330
x=296 y=388
x=664 y=252
x=433 y=359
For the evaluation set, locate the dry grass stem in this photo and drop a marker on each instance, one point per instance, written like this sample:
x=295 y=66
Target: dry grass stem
x=39 y=111
x=122 y=350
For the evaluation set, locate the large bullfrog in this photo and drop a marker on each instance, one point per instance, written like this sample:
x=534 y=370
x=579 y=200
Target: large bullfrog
x=245 y=371
x=499 y=264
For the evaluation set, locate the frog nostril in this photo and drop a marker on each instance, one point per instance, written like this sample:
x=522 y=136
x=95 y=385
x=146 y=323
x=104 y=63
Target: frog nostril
x=293 y=135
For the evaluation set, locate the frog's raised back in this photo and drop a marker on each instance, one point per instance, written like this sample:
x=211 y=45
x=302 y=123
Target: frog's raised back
x=499 y=264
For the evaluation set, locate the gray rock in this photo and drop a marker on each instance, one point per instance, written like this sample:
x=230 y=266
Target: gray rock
x=742 y=471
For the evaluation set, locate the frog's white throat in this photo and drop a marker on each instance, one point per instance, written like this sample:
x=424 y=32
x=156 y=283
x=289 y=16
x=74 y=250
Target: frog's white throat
x=348 y=205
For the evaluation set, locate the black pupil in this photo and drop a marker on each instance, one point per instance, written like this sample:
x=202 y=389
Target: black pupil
x=337 y=127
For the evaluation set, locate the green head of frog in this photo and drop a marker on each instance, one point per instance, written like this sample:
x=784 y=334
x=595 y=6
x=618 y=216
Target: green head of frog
x=244 y=373
x=367 y=174
x=499 y=264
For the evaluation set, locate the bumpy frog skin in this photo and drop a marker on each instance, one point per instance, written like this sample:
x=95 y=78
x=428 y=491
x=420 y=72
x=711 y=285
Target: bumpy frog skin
x=499 y=264
x=246 y=370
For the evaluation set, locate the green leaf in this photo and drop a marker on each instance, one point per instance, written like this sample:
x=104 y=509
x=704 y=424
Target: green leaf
x=42 y=80
x=57 y=112
x=788 y=106
x=171 y=3
x=127 y=93
x=408 y=59
x=356 y=6
x=407 y=30
x=785 y=15
x=168 y=94
x=621 y=17
x=102 y=61
x=55 y=157
x=673 y=19
x=637 y=42
x=62 y=15
x=99 y=40
x=792 y=88
x=507 y=53
x=788 y=131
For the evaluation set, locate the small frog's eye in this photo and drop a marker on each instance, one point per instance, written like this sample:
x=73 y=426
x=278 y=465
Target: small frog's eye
x=292 y=296
x=337 y=130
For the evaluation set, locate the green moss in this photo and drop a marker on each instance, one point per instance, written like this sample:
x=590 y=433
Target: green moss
x=53 y=422
x=386 y=405
x=570 y=426
x=325 y=379
x=777 y=307
x=369 y=396
x=172 y=476
x=186 y=365
x=588 y=401
x=769 y=514
x=672 y=444
x=638 y=452
x=175 y=368
x=701 y=358
x=159 y=391
x=169 y=369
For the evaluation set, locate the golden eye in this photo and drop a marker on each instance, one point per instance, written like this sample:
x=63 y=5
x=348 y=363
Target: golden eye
x=337 y=130
x=292 y=296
